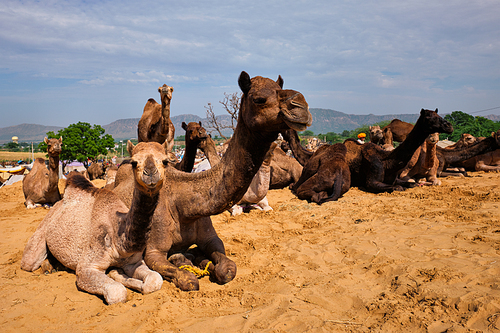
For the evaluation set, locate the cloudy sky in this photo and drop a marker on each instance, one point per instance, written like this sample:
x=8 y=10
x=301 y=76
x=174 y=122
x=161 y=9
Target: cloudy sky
x=98 y=61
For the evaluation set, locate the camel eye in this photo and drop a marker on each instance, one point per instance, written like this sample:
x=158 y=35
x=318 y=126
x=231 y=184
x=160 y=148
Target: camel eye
x=259 y=100
x=134 y=164
x=165 y=162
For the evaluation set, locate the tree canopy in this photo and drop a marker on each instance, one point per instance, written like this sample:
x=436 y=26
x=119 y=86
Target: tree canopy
x=81 y=142
x=465 y=123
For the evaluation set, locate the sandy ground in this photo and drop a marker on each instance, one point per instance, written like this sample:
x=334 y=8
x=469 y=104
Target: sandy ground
x=424 y=260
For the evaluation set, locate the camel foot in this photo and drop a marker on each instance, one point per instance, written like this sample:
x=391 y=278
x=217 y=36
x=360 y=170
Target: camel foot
x=225 y=272
x=115 y=293
x=186 y=281
x=47 y=267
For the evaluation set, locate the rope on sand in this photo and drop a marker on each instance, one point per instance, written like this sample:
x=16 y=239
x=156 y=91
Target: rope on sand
x=197 y=271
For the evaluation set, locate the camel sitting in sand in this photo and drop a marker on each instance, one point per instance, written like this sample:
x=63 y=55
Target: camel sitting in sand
x=489 y=161
x=91 y=230
x=387 y=139
x=285 y=170
x=155 y=124
x=424 y=163
x=40 y=186
x=454 y=157
x=325 y=176
x=187 y=200
x=96 y=170
x=255 y=196
x=376 y=170
x=465 y=140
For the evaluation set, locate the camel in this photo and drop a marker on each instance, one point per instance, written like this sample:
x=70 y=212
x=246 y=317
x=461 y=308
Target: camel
x=110 y=177
x=195 y=134
x=400 y=130
x=187 y=200
x=285 y=170
x=96 y=171
x=255 y=196
x=376 y=134
x=155 y=124
x=376 y=170
x=387 y=139
x=424 y=163
x=40 y=186
x=464 y=141
x=489 y=161
x=325 y=176
x=453 y=157
x=91 y=230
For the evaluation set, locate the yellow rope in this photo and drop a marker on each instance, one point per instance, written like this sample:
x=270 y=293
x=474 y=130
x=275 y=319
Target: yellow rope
x=197 y=271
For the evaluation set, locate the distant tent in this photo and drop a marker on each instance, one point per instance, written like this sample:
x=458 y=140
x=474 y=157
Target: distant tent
x=12 y=179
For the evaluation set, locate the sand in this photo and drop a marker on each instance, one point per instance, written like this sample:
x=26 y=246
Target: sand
x=423 y=260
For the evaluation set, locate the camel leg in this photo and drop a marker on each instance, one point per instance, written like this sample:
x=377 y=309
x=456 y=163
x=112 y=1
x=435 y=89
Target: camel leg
x=224 y=269
x=152 y=281
x=157 y=261
x=30 y=204
x=97 y=282
x=236 y=210
x=264 y=204
x=35 y=251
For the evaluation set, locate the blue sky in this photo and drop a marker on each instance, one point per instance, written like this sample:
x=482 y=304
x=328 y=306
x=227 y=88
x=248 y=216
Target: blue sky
x=98 y=61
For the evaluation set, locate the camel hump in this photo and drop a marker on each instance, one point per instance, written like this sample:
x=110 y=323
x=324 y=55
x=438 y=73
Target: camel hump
x=76 y=179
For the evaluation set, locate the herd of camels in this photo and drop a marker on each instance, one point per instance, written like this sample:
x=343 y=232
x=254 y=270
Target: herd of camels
x=152 y=218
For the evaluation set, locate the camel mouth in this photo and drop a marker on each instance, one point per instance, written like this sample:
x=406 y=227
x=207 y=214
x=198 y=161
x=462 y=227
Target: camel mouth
x=294 y=110
x=296 y=125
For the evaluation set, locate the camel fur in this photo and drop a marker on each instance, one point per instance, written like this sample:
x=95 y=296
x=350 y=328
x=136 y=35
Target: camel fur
x=96 y=171
x=91 y=230
x=187 y=200
x=40 y=186
x=376 y=170
x=155 y=124
x=465 y=140
x=424 y=163
x=376 y=134
x=399 y=129
x=255 y=196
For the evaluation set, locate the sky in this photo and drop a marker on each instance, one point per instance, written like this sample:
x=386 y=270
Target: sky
x=62 y=62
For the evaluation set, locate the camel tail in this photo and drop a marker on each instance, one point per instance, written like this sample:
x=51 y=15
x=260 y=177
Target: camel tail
x=337 y=188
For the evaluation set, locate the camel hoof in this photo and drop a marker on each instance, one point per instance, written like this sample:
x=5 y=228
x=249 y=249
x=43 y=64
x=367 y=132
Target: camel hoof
x=153 y=282
x=225 y=272
x=115 y=293
x=187 y=281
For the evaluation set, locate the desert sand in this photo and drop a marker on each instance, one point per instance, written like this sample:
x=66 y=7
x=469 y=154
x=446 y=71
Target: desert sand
x=423 y=260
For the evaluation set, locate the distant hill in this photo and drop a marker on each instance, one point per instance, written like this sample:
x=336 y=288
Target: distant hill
x=324 y=121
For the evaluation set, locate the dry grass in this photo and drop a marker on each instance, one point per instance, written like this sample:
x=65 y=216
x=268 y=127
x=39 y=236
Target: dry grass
x=16 y=156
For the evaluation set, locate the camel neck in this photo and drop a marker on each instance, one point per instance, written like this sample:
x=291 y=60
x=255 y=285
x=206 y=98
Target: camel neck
x=53 y=168
x=301 y=154
x=138 y=220
x=210 y=152
x=430 y=153
x=187 y=162
x=400 y=156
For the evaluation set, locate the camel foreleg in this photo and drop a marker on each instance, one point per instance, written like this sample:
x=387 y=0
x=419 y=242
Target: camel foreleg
x=96 y=282
x=138 y=277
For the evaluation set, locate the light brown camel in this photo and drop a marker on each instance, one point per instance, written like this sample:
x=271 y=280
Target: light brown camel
x=453 y=157
x=91 y=230
x=465 y=140
x=387 y=139
x=424 y=163
x=376 y=134
x=285 y=170
x=255 y=196
x=376 y=170
x=40 y=186
x=325 y=176
x=110 y=177
x=96 y=170
x=400 y=129
x=187 y=200
x=489 y=161
x=155 y=124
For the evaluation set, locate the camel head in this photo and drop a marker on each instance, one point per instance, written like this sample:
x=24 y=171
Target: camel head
x=376 y=134
x=194 y=132
x=149 y=161
x=53 y=146
x=166 y=93
x=433 y=138
x=496 y=136
x=467 y=139
x=434 y=123
x=265 y=106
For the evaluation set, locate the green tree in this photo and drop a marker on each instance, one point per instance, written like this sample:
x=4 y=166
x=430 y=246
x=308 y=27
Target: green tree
x=81 y=142
x=12 y=146
x=465 y=123
x=306 y=133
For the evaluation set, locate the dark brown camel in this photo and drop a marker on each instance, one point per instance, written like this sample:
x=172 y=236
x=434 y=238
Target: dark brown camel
x=40 y=186
x=195 y=134
x=325 y=176
x=187 y=200
x=376 y=170
x=155 y=124
x=453 y=157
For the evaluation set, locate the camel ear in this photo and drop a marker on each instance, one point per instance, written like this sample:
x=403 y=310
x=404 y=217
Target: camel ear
x=280 y=81
x=130 y=147
x=184 y=126
x=244 y=82
x=172 y=89
x=436 y=110
x=199 y=123
x=159 y=90
x=60 y=139
x=422 y=112
x=46 y=140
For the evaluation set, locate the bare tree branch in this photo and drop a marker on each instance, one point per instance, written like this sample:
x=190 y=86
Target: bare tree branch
x=231 y=104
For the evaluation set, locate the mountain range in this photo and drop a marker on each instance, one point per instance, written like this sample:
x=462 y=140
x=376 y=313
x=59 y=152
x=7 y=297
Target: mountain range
x=324 y=121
